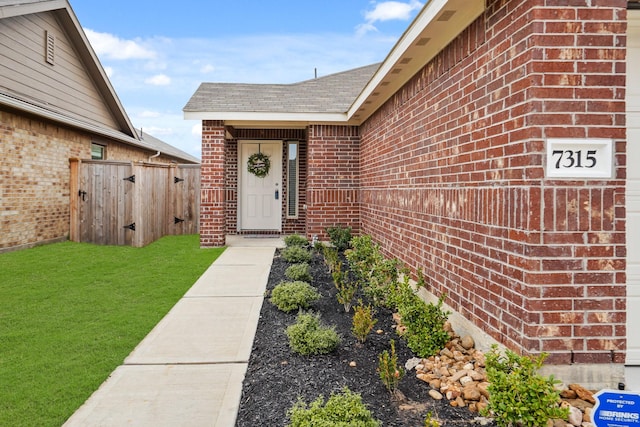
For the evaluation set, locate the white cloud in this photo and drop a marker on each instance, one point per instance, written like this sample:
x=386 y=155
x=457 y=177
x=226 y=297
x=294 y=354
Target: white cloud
x=206 y=69
x=149 y=114
x=159 y=80
x=109 y=71
x=197 y=129
x=388 y=11
x=111 y=47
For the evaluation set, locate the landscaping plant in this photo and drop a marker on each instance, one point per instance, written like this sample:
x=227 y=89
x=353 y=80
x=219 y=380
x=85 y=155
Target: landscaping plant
x=339 y=236
x=346 y=288
x=290 y=296
x=344 y=409
x=424 y=322
x=296 y=254
x=390 y=372
x=296 y=240
x=308 y=336
x=331 y=258
x=363 y=321
x=299 y=272
x=519 y=396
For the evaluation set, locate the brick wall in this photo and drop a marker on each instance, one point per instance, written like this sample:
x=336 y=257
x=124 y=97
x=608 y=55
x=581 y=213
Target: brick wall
x=212 y=185
x=333 y=184
x=34 y=177
x=453 y=180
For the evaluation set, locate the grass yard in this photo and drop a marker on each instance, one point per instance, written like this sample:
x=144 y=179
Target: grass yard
x=71 y=312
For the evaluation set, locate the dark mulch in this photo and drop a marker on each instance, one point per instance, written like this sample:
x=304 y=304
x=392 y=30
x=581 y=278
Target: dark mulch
x=277 y=376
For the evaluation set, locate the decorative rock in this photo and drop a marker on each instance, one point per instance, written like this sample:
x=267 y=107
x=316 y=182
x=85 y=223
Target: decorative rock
x=425 y=377
x=483 y=388
x=483 y=421
x=468 y=367
x=435 y=394
x=467 y=342
x=466 y=380
x=412 y=363
x=471 y=392
x=353 y=364
x=446 y=352
x=379 y=332
x=477 y=376
x=458 y=375
x=568 y=394
x=583 y=393
x=435 y=384
x=575 y=416
x=460 y=402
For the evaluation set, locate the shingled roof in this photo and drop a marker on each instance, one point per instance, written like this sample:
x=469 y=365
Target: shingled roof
x=329 y=94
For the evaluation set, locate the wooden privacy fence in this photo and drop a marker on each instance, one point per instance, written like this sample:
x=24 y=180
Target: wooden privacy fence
x=126 y=203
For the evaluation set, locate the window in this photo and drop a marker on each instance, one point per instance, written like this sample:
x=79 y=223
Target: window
x=292 y=179
x=98 y=152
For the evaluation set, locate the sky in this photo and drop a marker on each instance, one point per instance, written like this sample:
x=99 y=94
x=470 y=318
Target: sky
x=157 y=53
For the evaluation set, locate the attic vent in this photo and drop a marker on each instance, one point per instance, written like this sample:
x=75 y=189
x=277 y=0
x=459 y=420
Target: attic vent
x=50 y=42
x=446 y=15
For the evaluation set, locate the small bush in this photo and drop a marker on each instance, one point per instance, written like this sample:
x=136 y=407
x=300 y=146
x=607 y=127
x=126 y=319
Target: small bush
x=296 y=254
x=299 y=272
x=339 y=236
x=344 y=409
x=296 y=240
x=346 y=288
x=290 y=296
x=518 y=394
x=424 y=322
x=374 y=273
x=331 y=258
x=363 y=322
x=307 y=336
x=390 y=372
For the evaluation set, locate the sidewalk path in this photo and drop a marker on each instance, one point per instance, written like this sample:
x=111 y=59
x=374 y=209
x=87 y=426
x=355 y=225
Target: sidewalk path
x=189 y=370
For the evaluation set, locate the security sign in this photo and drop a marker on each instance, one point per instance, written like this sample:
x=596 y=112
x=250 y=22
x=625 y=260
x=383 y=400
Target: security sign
x=616 y=408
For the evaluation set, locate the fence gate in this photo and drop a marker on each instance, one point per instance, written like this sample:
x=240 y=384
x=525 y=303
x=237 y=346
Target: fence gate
x=123 y=203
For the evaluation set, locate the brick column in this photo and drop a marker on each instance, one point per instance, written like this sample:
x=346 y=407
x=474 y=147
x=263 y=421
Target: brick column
x=333 y=186
x=212 y=204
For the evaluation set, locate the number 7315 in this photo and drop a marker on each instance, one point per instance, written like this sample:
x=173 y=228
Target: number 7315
x=566 y=159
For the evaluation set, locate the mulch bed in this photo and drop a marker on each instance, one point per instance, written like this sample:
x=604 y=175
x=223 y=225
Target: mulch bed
x=277 y=377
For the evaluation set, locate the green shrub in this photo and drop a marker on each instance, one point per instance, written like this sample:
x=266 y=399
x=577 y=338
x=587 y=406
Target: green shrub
x=518 y=394
x=374 y=273
x=363 y=321
x=389 y=370
x=424 y=322
x=296 y=240
x=346 y=288
x=296 y=254
x=299 y=272
x=331 y=258
x=339 y=236
x=344 y=409
x=307 y=336
x=290 y=296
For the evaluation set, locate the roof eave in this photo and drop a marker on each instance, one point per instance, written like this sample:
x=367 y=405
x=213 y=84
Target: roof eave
x=439 y=22
x=268 y=119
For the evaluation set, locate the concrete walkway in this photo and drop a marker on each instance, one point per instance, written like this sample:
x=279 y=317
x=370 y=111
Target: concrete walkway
x=189 y=370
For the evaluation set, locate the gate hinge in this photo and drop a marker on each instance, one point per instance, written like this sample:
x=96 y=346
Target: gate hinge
x=131 y=178
x=177 y=220
x=177 y=180
x=131 y=226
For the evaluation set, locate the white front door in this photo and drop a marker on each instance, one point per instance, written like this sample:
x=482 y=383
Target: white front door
x=261 y=198
x=633 y=188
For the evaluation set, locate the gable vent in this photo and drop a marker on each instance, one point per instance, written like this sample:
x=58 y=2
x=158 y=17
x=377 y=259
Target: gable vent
x=50 y=44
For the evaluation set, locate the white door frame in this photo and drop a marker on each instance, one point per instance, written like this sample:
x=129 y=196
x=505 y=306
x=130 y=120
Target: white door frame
x=275 y=178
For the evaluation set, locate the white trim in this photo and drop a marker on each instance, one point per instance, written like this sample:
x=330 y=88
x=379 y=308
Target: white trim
x=296 y=190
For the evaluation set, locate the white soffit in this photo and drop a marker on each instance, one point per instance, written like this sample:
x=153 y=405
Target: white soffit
x=436 y=26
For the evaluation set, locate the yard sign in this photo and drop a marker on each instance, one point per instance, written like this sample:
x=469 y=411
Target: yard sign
x=616 y=408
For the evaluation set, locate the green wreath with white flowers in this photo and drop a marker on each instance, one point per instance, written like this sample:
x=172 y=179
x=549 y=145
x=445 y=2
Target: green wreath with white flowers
x=259 y=164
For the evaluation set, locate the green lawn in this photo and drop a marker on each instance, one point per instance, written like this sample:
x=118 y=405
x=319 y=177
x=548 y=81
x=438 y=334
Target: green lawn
x=71 y=312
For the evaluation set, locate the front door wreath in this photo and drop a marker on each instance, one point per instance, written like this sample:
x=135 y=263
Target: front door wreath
x=259 y=164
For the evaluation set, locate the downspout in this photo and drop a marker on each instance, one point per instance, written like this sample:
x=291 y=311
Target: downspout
x=154 y=156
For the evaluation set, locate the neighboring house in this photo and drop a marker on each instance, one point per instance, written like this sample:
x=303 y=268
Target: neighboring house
x=56 y=103
x=440 y=153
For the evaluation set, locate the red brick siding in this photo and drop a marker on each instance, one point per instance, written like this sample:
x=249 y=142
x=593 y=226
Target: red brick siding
x=212 y=184
x=34 y=177
x=333 y=186
x=453 y=177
